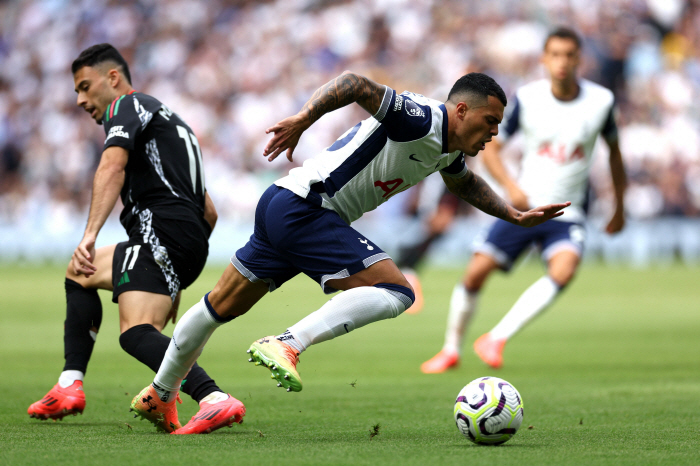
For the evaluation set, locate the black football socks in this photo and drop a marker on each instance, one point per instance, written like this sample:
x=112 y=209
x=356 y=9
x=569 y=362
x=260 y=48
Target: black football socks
x=83 y=319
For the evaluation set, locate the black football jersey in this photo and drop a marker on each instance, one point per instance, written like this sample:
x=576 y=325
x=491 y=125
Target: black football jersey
x=164 y=173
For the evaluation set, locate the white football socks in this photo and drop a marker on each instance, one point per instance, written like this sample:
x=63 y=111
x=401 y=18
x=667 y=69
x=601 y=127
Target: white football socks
x=532 y=302
x=462 y=306
x=189 y=337
x=344 y=313
x=67 y=378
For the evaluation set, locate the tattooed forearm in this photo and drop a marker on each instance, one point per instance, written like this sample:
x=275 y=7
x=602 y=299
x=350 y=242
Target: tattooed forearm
x=341 y=91
x=473 y=189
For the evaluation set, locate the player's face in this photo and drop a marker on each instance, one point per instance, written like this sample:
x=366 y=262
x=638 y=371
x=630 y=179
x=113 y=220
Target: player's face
x=561 y=58
x=478 y=125
x=95 y=92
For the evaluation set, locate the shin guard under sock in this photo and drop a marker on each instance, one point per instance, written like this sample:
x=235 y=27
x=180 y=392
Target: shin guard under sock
x=83 y=319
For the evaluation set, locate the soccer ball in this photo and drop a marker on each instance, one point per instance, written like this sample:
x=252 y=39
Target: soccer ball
x=488 y=411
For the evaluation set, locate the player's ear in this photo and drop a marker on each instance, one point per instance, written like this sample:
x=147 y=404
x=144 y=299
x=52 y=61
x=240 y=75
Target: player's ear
x=113 y=77
x=461 y=109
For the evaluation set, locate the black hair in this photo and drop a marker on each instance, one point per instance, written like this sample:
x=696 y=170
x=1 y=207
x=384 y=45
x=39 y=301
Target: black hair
x=478 y=84
x=101 y=53
x=563 y=32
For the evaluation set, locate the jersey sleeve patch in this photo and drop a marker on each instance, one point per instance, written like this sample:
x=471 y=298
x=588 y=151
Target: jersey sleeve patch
x=456 y=169
x=406 y=120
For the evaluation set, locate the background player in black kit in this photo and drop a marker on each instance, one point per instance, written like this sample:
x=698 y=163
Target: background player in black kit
x=152 y=159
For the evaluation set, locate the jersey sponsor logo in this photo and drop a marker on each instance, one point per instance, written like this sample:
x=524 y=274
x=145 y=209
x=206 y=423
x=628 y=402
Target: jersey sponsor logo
x=415 y=159
x=390 y=187
x=365 y=242
x=558 y=153
x=413 y=109
x=398 y=103
x=117 y=131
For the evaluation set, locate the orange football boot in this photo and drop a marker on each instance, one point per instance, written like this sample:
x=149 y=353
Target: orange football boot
x=440 y=363
x=212 y=416
x=490 y=350
x=280 y=358
x=148 y=406
x=59 y=402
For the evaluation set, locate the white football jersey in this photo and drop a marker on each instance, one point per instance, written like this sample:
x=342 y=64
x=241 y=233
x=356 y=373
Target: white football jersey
x=559 y=138
x=405 y=141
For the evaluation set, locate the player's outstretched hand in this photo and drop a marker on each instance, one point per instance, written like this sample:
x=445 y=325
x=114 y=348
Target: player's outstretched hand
x=83 y=257
x=286 y=136
x=541 y=214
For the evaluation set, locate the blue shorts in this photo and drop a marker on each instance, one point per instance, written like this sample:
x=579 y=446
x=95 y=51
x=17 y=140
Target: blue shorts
x=505 y=241
x=292 y=235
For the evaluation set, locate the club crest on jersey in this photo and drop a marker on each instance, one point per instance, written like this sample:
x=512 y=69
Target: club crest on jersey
x=117 y=131
x=398 y=103
x=413 y=109
x=365 y=241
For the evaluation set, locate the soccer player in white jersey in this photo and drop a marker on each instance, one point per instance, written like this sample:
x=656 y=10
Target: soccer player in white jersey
x=302 y=222
x=561 y=118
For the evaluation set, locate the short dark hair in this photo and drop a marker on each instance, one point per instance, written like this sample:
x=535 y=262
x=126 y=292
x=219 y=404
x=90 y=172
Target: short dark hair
x=477 y=84
x=563 y=32
x=101 y=53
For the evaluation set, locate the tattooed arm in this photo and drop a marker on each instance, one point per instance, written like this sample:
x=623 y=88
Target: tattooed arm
x=473 y=189
x=341 y=91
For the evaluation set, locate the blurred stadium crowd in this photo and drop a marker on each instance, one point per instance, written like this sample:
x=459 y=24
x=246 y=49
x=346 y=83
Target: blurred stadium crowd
x=232 y=68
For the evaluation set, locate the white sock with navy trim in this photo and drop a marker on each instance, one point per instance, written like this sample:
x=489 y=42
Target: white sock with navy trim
x=189 y=337
x=347 y=311
x=462 y=307
x=531 y=303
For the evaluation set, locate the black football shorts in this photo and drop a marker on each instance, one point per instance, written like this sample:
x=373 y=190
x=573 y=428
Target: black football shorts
x=161 y=256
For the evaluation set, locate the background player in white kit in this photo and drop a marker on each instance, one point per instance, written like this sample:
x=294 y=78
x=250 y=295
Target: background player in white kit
x=561 y=118
x=302 y=221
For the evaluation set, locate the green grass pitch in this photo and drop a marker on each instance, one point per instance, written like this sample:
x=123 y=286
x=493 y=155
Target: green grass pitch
x=609 y=375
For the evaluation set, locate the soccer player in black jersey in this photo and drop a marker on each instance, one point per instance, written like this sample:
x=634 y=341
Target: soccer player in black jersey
x=152 y=159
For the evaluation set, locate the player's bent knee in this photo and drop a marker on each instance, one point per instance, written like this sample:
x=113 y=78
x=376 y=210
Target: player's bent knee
x=130 y=339
x=474 y=281
x=404 y=295
x=562 y=279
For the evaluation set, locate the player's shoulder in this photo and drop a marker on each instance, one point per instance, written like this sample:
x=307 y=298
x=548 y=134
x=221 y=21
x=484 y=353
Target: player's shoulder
x=411 y=117
x=595 y=91
x=420 y=100
x=534 y=89
x=146 y=101
x=135 y=96
x=132 y=105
